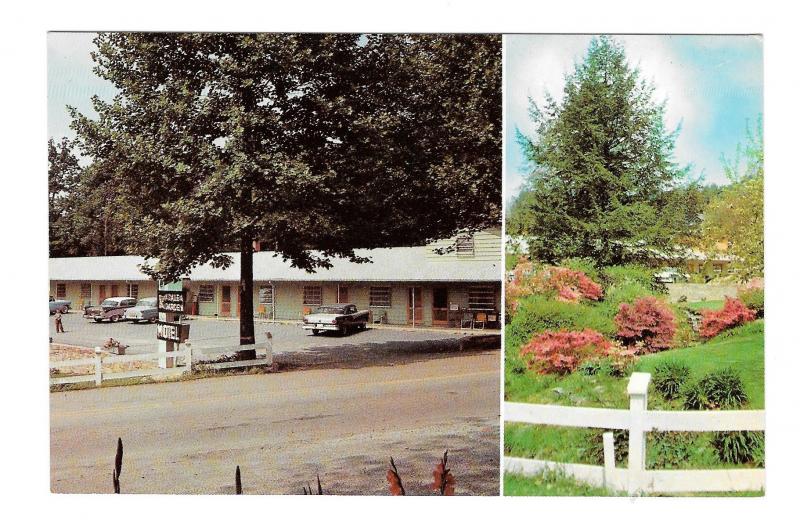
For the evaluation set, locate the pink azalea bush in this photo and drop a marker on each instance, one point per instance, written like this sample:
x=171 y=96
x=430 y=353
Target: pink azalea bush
x=563 y=351
x=732 y=314
x=648 y=323
x=568 y=285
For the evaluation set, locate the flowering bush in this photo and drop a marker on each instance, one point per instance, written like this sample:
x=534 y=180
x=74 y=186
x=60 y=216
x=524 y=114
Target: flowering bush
x=566 y=285
x=753 y=299
x=732 y=314
x=648 y=323
x=561 y=352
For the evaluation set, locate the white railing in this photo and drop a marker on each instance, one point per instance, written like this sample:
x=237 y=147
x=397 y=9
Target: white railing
x=168 y=365
x=635 y=479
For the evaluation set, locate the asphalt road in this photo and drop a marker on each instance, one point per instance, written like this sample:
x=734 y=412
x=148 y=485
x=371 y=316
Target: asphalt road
x=285 y=428
x=141 y=337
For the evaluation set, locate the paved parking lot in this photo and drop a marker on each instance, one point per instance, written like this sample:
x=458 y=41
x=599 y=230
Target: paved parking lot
x=141 y=338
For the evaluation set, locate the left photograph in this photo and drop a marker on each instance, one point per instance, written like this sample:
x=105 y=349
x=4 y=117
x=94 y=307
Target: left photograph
x=275 y=263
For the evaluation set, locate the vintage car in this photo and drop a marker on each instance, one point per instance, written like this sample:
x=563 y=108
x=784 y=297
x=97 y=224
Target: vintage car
x=59 y=305
x=112 y=309
x=146 y=309
x=338 y=317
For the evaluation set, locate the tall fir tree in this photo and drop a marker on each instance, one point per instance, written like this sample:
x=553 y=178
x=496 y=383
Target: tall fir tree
x=603 y=178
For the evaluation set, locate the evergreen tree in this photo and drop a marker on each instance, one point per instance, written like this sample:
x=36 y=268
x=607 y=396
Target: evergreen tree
x=603 y=177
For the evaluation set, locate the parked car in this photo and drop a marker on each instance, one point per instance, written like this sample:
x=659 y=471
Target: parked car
x=339 y=317
x=671 y=275
x=59 y=305
x=112 y=309
x=146 y=309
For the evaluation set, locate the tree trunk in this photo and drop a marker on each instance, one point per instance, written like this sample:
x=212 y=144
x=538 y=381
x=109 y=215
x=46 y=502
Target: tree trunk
x=246 y=326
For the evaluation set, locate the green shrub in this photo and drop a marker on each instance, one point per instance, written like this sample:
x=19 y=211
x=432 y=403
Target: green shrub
x=595 y=443
x=670 y=450
x=619 y=275
x=537 y=314
x=753 y=299
x=721 y=389
x=669 y=378
x=740 y=447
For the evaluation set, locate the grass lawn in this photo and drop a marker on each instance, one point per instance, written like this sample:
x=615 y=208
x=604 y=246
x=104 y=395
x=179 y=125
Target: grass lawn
x=551 y=483
x=741 y=348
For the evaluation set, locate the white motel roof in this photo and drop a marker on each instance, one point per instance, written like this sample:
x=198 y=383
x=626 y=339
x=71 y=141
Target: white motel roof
x=398 y=264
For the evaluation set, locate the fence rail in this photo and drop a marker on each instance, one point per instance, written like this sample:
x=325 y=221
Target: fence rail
x=168 y=365
x=635 y=479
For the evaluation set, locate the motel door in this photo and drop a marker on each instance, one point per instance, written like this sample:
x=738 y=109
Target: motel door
x=415 y=301
x=101 y=294
x=114 y=290
x=439 y=307
x=342 y=296
x=225 y=307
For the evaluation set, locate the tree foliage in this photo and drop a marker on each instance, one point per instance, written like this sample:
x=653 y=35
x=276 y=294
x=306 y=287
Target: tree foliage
x=603 y=182
x=736 y=216
x=315 y=144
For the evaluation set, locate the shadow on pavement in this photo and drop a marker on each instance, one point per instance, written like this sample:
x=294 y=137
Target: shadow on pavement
x=384 y=354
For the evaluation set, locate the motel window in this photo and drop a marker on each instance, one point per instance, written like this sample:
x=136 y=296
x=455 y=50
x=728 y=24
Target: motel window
x=465 y=246
x=86 y=291
x=265 y=295
x=133 y=290
x=481 y=298
x=380 y=296
x=206 y=294
x=61 y=291
x=312 y=295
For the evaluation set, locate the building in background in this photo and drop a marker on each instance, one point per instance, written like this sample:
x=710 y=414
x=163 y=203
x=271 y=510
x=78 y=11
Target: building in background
x=449 y=283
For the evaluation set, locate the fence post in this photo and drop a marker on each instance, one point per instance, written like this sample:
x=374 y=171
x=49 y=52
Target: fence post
x=98 y=366
x=637 y=392
x=609 y=462
x=188 y=357
x=269 y=348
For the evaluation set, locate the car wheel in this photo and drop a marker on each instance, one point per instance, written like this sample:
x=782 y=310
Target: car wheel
x=97 y=320
x=65 y=309
x=152 y=320
x=114 y=318
x=315 y=332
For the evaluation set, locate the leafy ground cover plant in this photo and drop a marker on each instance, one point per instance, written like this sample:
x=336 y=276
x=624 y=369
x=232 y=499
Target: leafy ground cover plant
x=648 y=323
x=732 y=314
x=670 y=377
x=563 y=351
x=740 y=447
x=721 y=389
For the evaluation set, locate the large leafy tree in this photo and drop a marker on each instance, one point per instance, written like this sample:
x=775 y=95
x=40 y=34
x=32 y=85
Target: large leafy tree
x=62 y=179
x=735 y=217
x=315 y=144
x=603 y=180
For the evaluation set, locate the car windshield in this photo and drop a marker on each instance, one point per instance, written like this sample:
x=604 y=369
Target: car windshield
x=109 y=303
x=330 y=309
x=146 y=302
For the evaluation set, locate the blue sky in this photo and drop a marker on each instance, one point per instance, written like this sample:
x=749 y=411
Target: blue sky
x=713 y=85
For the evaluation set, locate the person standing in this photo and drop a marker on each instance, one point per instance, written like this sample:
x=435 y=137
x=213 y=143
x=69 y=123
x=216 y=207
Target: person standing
x=59 y=325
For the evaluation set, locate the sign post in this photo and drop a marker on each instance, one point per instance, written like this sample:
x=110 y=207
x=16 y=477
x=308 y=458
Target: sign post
x=170 y=332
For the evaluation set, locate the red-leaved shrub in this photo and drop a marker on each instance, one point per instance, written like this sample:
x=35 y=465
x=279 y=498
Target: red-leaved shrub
x=566 y=284
x=732 y=314
x=648 y=323
x=563 y=351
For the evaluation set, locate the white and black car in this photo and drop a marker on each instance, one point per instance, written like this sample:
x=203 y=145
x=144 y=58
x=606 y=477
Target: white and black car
x=338 y=317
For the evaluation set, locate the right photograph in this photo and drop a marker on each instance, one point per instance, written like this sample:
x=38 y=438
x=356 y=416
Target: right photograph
x=634 y=265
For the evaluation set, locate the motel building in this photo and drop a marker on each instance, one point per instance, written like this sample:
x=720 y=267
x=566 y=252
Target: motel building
x=414 y=286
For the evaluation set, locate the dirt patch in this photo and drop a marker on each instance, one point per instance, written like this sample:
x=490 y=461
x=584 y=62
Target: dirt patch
x=59 y=352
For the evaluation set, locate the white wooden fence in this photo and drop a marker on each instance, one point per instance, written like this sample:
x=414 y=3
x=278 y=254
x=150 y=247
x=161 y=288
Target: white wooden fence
x=638 y=421
x=169 y=366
